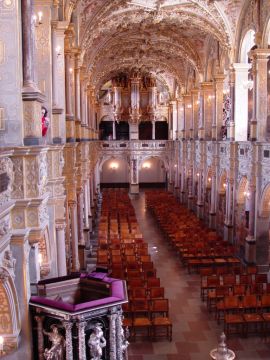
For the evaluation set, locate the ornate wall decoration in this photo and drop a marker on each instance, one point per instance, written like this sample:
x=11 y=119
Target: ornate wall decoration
x=6 y=171
x=2 y=52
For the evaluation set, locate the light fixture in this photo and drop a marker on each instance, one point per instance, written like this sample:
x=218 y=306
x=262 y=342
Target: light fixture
x=146 y=165
x=226 y=91
x=114 y=165
x=70 y=70
x=224 y=185
x=40 y=259
x=189 y=106
x=198 y=174
x=247 y=194
x=38 y=18
x=210 y=97
x=209 y=179
x=175 y=165
x=197 y=102
x=1 y=343
x=58 y=50
x=248 y=84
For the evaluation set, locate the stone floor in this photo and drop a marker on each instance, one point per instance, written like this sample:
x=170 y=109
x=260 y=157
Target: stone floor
x=195 y=333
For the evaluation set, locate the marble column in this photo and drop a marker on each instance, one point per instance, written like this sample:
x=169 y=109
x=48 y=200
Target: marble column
x=188 y=116
x=40 y=340
x=81 y=339
x=69 y=346
x=77 y=87
x=200 y=194
x=241 y=101
x=195 y=114
x=86 y=207
x=134 y=182
x=206 y=110
x=28 y=40
x=61 y=249
x=70 y=123
x=218 y=113
x=80 y=202
x=114 y=131
x=153 y=130
x=173 y=107
x=31 y=95
x=113 y=318
x=228 y=223
x=213 y=204
x=258 y=126
x=231 y=129
x=181 y=118
x=74 y=235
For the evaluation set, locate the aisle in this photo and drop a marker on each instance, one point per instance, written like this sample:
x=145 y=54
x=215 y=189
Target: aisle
x=194 y=333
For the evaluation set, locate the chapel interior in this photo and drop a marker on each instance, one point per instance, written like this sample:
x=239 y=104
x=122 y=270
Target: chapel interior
x=134 y=179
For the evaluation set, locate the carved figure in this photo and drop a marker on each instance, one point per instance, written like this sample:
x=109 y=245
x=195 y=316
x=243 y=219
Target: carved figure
x=125 y=342
x=45 y=121
x=96 y=342
x=9 y=262
x=56 y=352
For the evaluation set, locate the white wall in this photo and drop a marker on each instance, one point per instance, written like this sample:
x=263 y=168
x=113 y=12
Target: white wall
x=155 y=173
x=119 y=175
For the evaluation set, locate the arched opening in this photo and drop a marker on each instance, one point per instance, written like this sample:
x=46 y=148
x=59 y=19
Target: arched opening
x=10 y=323
x=122 y=130
x=263 y=228
x=247 y=44
x=145 y=130
x=114 y=173
x=161 y=130
x=152 y=173
x=106 y=130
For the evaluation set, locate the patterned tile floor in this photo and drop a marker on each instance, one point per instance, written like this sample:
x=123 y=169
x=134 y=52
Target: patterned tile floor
x=195 y=333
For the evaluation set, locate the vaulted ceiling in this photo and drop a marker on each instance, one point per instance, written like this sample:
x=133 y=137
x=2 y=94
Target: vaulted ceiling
x=166 y=37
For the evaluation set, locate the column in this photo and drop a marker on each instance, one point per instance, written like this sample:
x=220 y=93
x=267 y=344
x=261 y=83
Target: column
x=195 y=113
x=231 y=129
x=228 y=223
x=241 y=101
x=213 y=204
x=32 y=97
x=181 y=118
x=74 y=235
x=69 y=345
x=39 y=320
x=80 y=202
x=153 y=130
x=77 y=88
x=86 y=199
x=218 y=108
x=113 y=336
x=188 y=116
x=208 y=99
x=134 y=183
x=173 y=109
x=61 y=249
x=200 y=194
x=58 y=124
x=258 y=126
x=69 y=74
x=81 y=339
x=28 y=40
x=114 y=131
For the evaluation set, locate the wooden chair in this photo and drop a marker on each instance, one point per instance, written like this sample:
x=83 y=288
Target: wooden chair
x=156 y=293
x=233 y=324
x=161 y=323
x=152 y=282
x=141 y=324
x=253 y=323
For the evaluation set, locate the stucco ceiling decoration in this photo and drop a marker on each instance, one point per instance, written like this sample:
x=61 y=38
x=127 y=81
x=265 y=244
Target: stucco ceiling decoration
x=144 y=33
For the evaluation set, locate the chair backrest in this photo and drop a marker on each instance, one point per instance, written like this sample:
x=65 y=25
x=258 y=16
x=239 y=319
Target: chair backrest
x=153 y=282
x=160 y=306
x=157 y=293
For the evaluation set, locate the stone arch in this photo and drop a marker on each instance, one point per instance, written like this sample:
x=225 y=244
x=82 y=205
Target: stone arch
x=105 y=158
x=146 y=157
x=10 y=322
x=157 y=171
x=264 y=208
x=248 y=41
x=242 y=188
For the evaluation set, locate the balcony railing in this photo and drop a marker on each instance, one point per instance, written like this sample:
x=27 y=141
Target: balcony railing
x=137 y=145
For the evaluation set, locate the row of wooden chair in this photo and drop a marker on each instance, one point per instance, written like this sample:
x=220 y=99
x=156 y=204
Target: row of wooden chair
x=123 y=250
